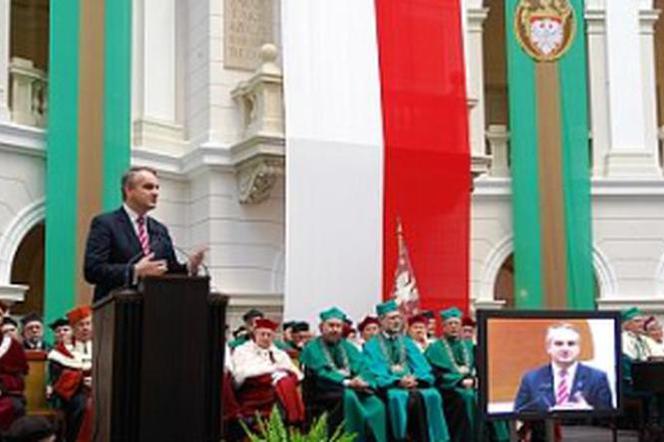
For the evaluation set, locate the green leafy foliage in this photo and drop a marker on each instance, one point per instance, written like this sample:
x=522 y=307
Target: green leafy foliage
x=274 y=430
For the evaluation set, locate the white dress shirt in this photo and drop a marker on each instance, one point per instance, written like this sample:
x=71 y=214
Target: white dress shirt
x=133 y=217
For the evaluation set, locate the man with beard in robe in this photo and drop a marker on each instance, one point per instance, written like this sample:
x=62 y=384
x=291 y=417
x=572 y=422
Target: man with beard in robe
x=340 y=383
x=404 y=379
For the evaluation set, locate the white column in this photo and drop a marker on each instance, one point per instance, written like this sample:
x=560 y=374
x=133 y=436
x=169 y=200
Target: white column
x=647 y=20
x=599 y=98
x=4 y=58
x=155 y=80
x=631 y=154
x=476 y=15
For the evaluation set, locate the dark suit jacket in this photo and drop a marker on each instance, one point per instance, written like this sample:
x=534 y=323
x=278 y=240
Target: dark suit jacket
x=536 y=390
x=113 y=248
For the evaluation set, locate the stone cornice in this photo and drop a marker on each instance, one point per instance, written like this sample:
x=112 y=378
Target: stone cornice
x=22 y=139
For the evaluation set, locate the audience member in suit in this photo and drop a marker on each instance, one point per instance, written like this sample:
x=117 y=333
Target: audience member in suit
x=127 y=244
x=564 y=383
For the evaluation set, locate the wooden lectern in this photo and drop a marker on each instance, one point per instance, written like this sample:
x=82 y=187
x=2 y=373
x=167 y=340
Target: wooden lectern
x=158 y=362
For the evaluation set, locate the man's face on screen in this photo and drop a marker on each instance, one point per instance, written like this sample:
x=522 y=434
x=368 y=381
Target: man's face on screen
x=563 y=346
x=142 y=191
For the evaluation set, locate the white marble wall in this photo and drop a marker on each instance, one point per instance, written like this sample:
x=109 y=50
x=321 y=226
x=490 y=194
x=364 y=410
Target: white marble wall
x=22 y=175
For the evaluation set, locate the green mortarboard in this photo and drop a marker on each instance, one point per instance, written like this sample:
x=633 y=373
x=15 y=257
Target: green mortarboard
x=631 y=313
x=387 y=307
x=450 y=313
x=332 y=313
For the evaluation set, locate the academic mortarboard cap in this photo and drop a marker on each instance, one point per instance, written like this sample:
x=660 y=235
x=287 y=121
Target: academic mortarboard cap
x=251 y=314
x=332 y=313
x=300 y=326
x=387 y=307
x=30 y=317
x=450 y=313
x=58 y=323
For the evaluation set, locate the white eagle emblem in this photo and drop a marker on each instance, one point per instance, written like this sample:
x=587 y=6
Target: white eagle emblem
x=544 y=28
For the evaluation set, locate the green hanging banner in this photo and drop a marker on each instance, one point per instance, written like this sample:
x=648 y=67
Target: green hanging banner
x=546 y=60
x=88 y=136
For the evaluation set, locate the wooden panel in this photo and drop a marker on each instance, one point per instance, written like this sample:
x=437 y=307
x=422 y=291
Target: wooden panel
x=35 y=382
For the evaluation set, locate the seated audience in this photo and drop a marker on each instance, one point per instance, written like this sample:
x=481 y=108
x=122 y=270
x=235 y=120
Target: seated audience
x=33 y=333
x=404 y=379
x=368 y=328
x=70 y=370
x=249 y=319
x=265 y=375
x=13 y=369
x=340 y=382
x=10 y=328
x=655 y=334
x=417 y=330
x=61 y=330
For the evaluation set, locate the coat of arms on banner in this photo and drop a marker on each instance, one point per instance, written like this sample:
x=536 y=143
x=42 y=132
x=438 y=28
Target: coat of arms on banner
x=405 y=286
x=544 y=28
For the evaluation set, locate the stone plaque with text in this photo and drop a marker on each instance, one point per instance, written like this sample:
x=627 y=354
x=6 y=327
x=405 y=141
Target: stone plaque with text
x=247 y=26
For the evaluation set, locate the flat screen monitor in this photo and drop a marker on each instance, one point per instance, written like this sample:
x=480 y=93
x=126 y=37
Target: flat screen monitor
x=549 y=364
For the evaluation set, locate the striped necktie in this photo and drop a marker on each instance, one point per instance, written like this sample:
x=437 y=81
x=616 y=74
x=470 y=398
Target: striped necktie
x=562 y=394
x=143 y=235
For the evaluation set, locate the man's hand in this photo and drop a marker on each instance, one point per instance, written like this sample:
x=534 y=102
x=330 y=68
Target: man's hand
x=87 y=381
x=408 y=382
x=195 y=260
x=467 y=383
x=147 y=266
x=357 y=383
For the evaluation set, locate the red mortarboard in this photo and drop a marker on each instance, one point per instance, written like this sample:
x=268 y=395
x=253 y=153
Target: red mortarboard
x=265 y=323
x=79 y=313
x=418 y=319
x=468 y=321
x=366 y=321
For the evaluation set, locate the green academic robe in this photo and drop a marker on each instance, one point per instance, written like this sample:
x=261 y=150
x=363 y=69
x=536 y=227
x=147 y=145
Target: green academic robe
x=238 y=341
x=453 y=361
x=331 y=365
x=390 y=359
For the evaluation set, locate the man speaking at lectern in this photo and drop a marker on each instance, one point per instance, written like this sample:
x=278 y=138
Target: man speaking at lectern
x=564 y=383
x=126 y=244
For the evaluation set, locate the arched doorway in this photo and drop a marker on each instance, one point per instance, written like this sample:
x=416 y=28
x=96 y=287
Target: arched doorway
x=28 y=269
x=503 y=289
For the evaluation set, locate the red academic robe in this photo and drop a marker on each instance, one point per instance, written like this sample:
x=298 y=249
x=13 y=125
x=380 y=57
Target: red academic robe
x=13 y=368
x=257 y=394
x=69 y=383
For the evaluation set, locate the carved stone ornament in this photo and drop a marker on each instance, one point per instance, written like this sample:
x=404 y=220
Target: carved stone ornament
x=257 y=176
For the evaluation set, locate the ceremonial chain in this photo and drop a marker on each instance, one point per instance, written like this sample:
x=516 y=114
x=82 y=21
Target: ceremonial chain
x=464 y=368
x=344 y=357
x=399 y=365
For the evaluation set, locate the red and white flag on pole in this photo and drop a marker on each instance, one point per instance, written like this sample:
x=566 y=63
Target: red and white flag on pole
x=376 y=130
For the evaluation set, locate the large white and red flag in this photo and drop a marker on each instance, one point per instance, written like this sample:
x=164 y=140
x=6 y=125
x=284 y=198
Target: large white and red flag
x=376 y=131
